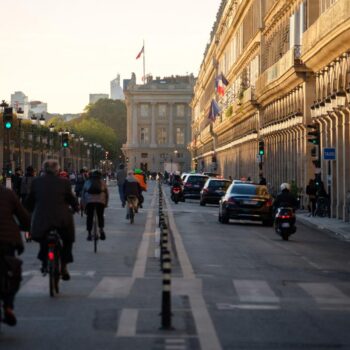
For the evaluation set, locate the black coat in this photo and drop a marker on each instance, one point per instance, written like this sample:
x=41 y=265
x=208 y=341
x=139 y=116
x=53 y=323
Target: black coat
x=285 y=198
x=51 y=200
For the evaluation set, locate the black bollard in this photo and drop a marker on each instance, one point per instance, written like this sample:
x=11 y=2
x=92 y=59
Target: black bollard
x=166 y=296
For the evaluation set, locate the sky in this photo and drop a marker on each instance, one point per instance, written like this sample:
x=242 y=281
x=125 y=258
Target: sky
x=60 y=51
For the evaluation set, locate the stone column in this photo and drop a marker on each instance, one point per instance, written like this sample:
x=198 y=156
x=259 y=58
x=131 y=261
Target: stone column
x=134 y=126
x=171 y=125
x=153 y=125
x=129 y=122
x=346 y=161
x=340 y=191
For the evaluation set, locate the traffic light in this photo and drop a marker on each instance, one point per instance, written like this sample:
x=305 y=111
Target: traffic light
x=314 y=134
x=261 y=148
x=65 y=140
x=8 y=118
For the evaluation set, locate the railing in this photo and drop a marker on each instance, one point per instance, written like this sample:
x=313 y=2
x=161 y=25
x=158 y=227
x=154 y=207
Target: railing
x=329 y=20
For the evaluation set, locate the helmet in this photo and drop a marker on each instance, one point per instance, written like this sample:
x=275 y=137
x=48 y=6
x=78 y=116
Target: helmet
x=137 y=171
x=96 y=173
x=285 y=186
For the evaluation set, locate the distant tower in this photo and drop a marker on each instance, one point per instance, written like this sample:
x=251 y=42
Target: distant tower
x=116 y=89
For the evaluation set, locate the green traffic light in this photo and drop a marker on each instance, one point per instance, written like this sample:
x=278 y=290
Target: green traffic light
x=8 y=125
x=65 y=144
x=261 y=152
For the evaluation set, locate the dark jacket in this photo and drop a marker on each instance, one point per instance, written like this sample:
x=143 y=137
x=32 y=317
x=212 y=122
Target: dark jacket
x=285 y=198
x=50 y=199
x=132 y=188
x=11 y=211
x=102 y=197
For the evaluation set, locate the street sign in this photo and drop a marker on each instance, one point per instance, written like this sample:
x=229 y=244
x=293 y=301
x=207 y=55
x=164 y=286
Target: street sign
x=259 y=158
x=329 y=154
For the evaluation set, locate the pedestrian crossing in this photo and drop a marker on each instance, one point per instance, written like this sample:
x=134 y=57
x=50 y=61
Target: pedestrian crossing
x=246 y=294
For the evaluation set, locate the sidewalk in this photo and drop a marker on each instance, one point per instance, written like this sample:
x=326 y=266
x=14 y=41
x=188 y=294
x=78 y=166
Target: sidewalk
x=336 y=226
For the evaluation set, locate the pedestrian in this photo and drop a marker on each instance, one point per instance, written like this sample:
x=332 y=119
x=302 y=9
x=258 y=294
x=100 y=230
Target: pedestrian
x=95 y=197
x=262 y=180
x=51 y=201
x=121 y=175
x=12 y=215
x=311 y=192
x=26 y=182
x=16 y=181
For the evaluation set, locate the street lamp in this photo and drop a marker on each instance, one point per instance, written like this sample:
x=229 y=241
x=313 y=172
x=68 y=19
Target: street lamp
x=34 y=121
x=6 y=142
x=51 y=130
x=20 y=118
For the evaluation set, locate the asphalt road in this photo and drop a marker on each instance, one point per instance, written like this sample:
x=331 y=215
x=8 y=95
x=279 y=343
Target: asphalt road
x=235 y=286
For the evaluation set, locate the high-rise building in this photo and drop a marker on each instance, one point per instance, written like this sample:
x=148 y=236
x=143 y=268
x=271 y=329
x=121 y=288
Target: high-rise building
x=159 y=123
x=20 y=100
x=37 y=107
x=116 y=89
x=93 y=98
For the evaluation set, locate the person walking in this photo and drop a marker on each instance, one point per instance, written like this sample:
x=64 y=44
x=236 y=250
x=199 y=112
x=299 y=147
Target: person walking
x=26 y=182
x=16 y=179
x=262 y=180
x=52 y=201
x=121 y=176
x=311 y=192
x=95 y=197
x=12 y=215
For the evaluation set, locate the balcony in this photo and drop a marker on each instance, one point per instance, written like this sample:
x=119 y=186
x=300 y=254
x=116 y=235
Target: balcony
x=328 y=37
x=287 y=61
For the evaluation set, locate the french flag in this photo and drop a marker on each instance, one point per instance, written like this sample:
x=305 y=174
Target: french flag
x=214 y=111
x=220 y=83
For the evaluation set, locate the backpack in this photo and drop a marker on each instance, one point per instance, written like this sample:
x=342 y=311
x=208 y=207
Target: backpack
x=95 y=186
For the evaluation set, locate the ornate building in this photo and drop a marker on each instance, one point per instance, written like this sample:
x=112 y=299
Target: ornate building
x=288 y=66
x=159 y=123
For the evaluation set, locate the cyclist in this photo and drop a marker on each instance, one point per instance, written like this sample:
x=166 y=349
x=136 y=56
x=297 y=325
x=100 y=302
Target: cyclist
x=140 y=177
x=132 y=192
x=51 y=201
x=79 y=184
x=95 y=197
x=11 y=240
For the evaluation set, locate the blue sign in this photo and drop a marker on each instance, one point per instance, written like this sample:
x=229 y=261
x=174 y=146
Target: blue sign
x=329 y=154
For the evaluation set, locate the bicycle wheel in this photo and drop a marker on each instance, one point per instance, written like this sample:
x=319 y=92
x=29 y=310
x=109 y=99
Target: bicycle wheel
x=131 y=215
x=95 y=231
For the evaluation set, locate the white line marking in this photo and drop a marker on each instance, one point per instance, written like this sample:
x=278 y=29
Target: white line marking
x=255 y=291
x=127 y=323
x=142 y=254
x=112 y=287
x=174 y=340
x=325 y=293
x=227 y=307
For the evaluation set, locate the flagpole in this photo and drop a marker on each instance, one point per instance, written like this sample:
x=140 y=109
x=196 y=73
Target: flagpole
x=144 y=63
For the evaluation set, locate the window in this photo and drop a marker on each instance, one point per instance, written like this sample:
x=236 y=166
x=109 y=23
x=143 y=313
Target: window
x=162 y=136
x=162 y=110
x=144 y=155
x=180 y=110
x=144 y=110
x=144 y=138
x=180 y=136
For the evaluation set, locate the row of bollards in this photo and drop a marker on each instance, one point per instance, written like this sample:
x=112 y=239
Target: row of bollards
x=165 y=264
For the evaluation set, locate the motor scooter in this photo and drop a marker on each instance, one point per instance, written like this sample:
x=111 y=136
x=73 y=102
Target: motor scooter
x=285 y=222
x=176 y=194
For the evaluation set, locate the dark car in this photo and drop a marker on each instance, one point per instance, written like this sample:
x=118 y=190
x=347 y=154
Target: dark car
x=213 y=190
x=246 y=201
x=193 y=184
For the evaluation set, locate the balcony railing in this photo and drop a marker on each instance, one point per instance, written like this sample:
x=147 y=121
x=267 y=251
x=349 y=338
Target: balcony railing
x=329 y=20
x=287 y=61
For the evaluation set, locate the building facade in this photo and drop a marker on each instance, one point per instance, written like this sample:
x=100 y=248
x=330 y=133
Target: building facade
x=116 y=90
x=159 y=123
x=287 y=66
x=37 y=107
x=20 y=100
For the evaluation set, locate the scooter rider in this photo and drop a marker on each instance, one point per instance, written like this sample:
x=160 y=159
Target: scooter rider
x=285 y=198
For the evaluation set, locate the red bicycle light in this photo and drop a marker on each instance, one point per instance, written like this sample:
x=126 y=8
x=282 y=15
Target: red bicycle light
x=51 y=256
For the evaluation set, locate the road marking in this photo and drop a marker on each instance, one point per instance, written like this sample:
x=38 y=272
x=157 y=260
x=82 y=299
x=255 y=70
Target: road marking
x=222 y=306
x=112 y=287
x=90 y=274
x=142 y=254
x=255 y=291
x=37 y=285
x=175 y=340
x=325 y=293
x=127 y=323
x=205 y=328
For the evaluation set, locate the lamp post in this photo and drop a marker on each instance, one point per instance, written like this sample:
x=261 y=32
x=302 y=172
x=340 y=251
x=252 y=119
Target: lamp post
x=20 y=118
x=6 y=142
x=42 y=123
x=34 y=120
x=51 y=130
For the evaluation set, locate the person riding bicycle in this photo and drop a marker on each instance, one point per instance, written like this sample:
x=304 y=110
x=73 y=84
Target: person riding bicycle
x=95 y=197
x=140 y=177
x=52 y=201
x=132 y=192
x=285 y=198
x=11 y=241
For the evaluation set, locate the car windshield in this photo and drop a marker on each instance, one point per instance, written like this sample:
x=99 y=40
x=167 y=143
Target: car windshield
x=197 y=179
x=249 y=189
x=219 y=184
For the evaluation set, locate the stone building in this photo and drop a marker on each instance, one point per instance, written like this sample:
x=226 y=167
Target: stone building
x=159 y=123
x=288 y=66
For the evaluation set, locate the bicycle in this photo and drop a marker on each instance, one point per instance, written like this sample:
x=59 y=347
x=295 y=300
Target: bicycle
x=132 y=204
x=322 y=207
x=54 y=261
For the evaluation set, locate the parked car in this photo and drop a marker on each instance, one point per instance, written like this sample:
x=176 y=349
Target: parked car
x=193 y=184
x=213 y=190
x=246 y=201
x=210 y=174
